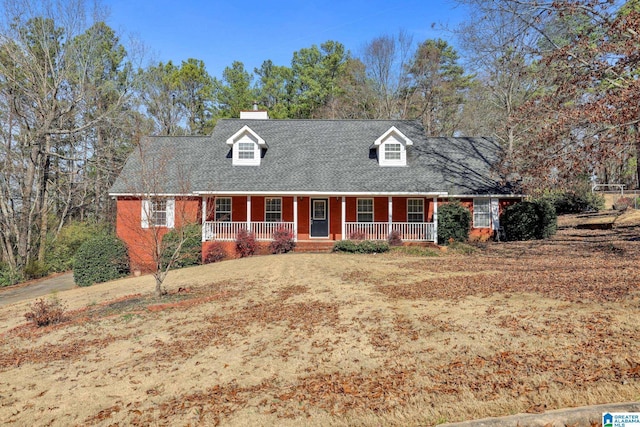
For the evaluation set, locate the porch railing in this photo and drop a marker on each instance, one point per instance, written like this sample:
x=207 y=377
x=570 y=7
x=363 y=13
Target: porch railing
x=228 y=230
x=409 y=231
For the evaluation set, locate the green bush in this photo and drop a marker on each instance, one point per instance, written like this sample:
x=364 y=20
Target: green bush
x=100 y=259
x=454 y=223
x=61 y=251
x=529 y=220
x=35 y=270
x=9 y=276
x=361 y=246
x=574 y=201
x=191 y=250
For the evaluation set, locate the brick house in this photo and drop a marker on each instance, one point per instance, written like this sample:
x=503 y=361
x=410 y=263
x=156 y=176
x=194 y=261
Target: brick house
x=323 y=179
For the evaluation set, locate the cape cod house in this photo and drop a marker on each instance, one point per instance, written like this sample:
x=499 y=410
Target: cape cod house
x=325 y=180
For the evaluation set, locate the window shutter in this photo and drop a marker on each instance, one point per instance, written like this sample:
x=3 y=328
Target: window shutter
x=146 y=211
x=171 y=212
x=495 y=214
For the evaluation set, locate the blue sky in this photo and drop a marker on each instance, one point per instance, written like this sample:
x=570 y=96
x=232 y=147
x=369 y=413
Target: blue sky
x=220 y=32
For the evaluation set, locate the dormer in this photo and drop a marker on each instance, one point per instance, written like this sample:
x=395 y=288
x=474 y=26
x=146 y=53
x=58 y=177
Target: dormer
x=392 y=148
x=246 y=147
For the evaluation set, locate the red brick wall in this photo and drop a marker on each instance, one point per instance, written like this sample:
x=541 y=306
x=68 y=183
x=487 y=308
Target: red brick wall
x=141 y=242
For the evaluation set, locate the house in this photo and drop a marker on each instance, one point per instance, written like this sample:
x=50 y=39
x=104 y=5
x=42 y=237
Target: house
x=325 y=180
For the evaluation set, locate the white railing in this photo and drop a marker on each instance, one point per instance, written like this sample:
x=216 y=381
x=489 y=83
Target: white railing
x=221 y=230
x=409 y=231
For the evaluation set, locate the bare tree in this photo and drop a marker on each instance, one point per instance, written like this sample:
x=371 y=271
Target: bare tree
x=161 y=205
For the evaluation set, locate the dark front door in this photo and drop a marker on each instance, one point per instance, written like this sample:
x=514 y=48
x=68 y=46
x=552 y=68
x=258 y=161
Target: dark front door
x=319 y=218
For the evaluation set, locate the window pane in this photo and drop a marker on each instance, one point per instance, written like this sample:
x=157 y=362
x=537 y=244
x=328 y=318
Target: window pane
x=365 y=210
x=481 y=213
x=392 y=151
x=273 y=210
x=223 y=209
x=158 y=212
x=415 y=210
x=246 y=150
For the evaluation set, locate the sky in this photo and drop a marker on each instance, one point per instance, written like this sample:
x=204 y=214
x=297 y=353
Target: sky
x=220 y=32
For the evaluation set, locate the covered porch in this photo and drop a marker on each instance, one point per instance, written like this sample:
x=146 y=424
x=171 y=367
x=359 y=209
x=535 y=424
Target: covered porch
x=321 y=217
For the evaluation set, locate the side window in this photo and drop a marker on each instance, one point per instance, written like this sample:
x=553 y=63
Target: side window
x=158 y=212
x=481 y=213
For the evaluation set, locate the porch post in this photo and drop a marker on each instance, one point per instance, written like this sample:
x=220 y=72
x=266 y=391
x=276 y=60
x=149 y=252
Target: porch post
x=204 y=216
x=344 y=216
x=435 y=220
x=390 y=217
x=248 y=213
x=295 y=218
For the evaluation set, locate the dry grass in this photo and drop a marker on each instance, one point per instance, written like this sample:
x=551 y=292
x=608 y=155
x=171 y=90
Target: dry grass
x=339 y=339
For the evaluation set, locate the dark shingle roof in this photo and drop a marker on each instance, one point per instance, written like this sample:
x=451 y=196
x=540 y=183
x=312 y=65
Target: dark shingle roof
x=313 y=156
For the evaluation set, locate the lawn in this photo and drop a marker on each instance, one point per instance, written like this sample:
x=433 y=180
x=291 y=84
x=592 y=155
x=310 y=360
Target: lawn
x=334 y=339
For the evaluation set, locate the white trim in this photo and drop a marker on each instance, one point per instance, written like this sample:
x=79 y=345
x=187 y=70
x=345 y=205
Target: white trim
x=171 y=213
x=435 y=220
x=295 y=218
x=246 y=129
x=248 y=213
x=327 y=194
x=486 y=196
x=390 y=211
x=391 y=130
x=344 y=216
x=204 y=216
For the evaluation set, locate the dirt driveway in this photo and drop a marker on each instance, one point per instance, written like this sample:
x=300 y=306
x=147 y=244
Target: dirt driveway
x=35 y=289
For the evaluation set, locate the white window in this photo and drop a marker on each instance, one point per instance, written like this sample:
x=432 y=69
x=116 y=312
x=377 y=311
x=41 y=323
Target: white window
x=481 y=213
x=392 y=151
x=223 y=208
x=273 y=209
x=246 y=150
x=415 y=210
x=158 y=212
x=365 y=210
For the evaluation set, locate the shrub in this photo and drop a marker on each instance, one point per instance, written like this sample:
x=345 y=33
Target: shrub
x=394 y=238
x=361 y=246
x=283 y=241
x=100 y=259
x=191 y=250
x=35 y=270
x=215 y=253
x=529 y=220
x=577 y=200
x=454 y=222
x=246 y=244
x=357 y=235
x=9 y=276
x=61 y=251
x=623 y=203
x=45 y=313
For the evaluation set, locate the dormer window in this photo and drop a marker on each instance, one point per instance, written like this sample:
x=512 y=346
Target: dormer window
x=392 y=148
x=246 y=150
x=246 y=147
x=392 y=151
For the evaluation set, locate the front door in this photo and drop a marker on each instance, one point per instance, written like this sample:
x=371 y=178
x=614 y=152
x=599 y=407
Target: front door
x=319 y=218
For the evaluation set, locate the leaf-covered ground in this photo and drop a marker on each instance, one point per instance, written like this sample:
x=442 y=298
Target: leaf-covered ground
x=340 y=340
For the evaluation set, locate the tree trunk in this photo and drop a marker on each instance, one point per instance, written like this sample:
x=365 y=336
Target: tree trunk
x=44 y=199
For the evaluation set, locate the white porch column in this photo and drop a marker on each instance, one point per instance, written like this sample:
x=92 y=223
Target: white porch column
x=295 y=218
x=344 y=216
x=248 y=213
x=435 y=220
x=390 y=217
x=204 y=216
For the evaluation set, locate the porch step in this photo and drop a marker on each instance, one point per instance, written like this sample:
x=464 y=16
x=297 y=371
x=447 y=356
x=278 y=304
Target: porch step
x=314 y=246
